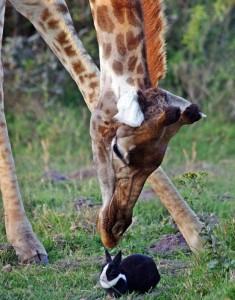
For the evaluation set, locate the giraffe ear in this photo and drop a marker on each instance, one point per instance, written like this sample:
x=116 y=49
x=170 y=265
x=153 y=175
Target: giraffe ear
x=142 y=101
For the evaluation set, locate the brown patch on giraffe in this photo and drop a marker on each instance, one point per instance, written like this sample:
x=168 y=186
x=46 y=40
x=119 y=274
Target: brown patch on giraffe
x=91 y=96
x=141 y=83
x=81 y=78
x=41 y=24
x=3 y=124
x=78 y=67
x=62 y=38
x=154 y=30
x=2 y=142
x=107 y=111
x=118 y=67
x=132 y=40
x=92 y=75
x=130 y=81
x=118 y=11
x=62 y=8
x=93 y=85
x=131 y=10
x=102 y=130
x=108 y=95
x=104 y=21
x=69 y=50
x=132 y=18
x=120 y=42
x=140 y=69
x=107 y=49
x=132 y=63
x=53 y=24
x=46 y=14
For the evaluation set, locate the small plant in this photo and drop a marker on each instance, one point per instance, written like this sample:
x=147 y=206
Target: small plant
x=220 y=256
x=194 y=184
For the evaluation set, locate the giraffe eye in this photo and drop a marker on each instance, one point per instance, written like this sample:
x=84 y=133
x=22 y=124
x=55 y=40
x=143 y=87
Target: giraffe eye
x=117 y=152
x=124 y=157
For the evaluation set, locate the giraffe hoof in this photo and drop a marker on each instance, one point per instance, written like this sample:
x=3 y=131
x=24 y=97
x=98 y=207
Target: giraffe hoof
x=38 y=259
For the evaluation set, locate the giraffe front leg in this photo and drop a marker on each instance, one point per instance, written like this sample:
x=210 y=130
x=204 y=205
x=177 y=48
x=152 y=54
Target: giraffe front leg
x=186 y=220
x=18 y=229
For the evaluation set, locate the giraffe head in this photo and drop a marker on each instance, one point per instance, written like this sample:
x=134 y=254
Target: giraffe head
x=125 y=156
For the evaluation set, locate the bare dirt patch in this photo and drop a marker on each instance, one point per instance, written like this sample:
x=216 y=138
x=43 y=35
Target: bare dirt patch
x=169 y=243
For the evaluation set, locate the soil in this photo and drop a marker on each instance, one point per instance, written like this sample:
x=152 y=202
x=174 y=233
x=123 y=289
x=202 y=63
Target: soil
x=169 y=243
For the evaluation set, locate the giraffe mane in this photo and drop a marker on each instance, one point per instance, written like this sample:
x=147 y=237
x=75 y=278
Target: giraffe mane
x=154 y=30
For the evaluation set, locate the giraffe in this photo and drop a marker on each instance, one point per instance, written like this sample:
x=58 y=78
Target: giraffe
x=134 y=119
x=53 y=21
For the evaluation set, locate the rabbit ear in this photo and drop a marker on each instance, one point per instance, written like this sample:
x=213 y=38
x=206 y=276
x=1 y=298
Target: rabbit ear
x=117 y=259
x=108 y=256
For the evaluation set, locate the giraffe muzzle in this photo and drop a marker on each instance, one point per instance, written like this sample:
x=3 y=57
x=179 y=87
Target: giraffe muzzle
x=111 y=234
x=114 y=219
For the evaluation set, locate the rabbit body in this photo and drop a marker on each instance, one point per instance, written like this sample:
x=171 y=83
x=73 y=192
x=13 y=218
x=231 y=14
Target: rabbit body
x=136 y=273
x=141 y=273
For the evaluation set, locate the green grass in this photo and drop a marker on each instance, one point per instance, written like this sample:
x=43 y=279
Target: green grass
x=59 y=140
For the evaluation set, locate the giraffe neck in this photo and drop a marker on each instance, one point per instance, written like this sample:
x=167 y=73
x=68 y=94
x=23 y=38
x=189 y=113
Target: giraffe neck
x=120 y=36
x=127 y=47
x=55 y=25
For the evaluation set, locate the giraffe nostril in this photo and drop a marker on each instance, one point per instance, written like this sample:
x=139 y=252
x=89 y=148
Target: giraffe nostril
x=117 y=229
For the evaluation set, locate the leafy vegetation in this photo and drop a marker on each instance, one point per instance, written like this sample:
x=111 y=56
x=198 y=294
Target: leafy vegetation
x=52 y=135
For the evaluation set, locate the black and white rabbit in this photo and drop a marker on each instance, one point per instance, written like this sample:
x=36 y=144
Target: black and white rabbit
x=136 y=273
